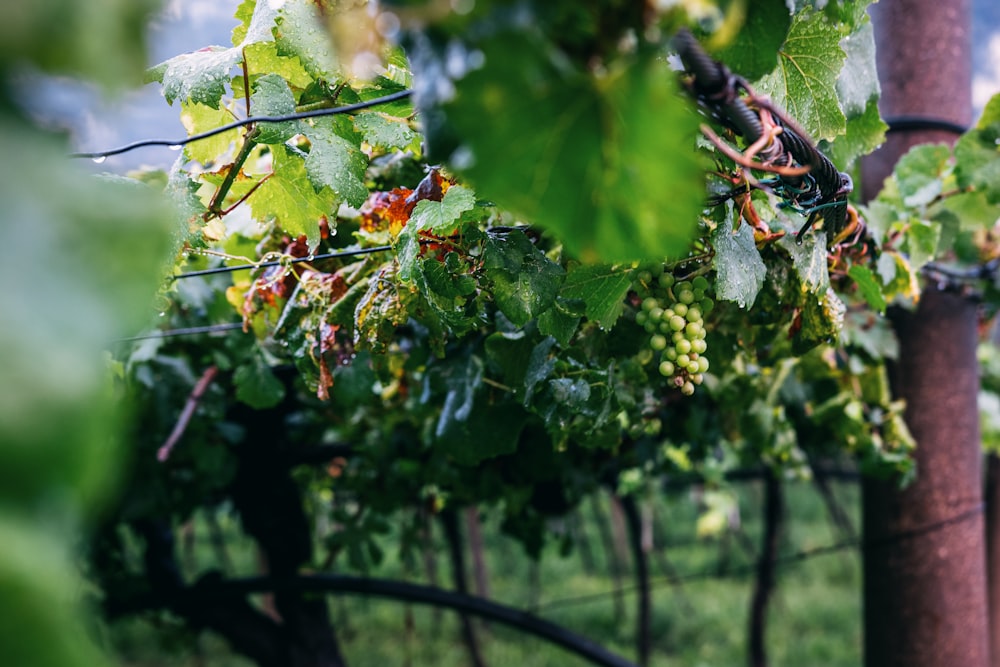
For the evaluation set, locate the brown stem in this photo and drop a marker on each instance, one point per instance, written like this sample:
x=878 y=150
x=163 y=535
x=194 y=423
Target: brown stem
x=163 y=453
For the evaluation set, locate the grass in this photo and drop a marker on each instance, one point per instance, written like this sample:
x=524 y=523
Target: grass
x=814 y=617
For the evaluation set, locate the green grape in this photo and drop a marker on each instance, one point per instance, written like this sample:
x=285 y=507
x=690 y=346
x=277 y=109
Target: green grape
x=673 y=313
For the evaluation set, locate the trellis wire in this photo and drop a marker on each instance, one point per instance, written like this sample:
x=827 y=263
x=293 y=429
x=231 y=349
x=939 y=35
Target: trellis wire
x=315 y=113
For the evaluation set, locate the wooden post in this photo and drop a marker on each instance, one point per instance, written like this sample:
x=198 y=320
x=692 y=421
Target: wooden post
x=924 y=560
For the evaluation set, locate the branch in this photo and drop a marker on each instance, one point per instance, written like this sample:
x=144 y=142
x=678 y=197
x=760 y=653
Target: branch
x=163 y=453
x=395 y=590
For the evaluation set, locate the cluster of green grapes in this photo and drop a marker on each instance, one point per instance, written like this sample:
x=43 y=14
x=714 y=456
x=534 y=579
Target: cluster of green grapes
x=673 y=314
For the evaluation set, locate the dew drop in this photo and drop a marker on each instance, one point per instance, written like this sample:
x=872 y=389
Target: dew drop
x=163 y=313
x=174 y=147
x=100 y=159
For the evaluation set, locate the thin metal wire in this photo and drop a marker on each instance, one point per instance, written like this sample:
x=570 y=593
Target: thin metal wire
x=277 y=262
x=185 y=331
x=315 y=113
x=781 y=561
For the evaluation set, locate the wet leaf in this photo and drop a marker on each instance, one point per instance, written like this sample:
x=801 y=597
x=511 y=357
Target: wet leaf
x=273 y=97
x=754 y=51
x=602 y=288
x=869 y=286
x=739 y=269
x=336 y=162
x=525 y=281
x=289 y=198
x=804 y=83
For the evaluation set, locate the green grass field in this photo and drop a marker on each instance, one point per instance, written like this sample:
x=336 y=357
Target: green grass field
x=814 y=616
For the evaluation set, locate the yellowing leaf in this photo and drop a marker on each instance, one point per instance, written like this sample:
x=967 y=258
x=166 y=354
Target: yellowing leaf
x=288 y=197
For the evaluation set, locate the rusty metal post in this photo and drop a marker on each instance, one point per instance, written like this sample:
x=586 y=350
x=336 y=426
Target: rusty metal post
x=924 y=560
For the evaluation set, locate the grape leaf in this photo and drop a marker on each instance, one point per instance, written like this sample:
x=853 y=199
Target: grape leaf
x=490 y=430
x=869 y=286
x=977 y=153
x=560 y=321
x=198 y=118
x=288 y=196
x=336 y=162
x=805 y=80
x=809 y=257
x=601 y=287
x=256 y=22
x=383 y=131
x=202 y=76
x=858 y=89
x=754 y=51
x=583 y=156
x=857 y=83
x=263 y=58
x=920 y=172
x=257 y=386
x=921 y=242
x=440 y=217
x=301 y=32
x=864 y=133
x=739 y=269
x=972 y=210
x=273 y=97
x=525 y=281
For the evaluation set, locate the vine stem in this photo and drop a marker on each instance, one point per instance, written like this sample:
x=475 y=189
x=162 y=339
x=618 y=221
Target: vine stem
x=215 y=209
x=163 y=453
